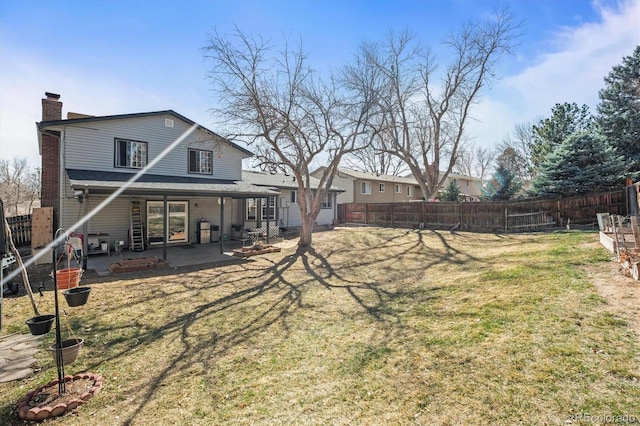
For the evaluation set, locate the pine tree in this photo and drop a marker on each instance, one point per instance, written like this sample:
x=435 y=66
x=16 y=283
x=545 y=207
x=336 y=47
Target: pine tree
x=452 y=192
x=619 y=111
x=566 y=119
x=582 y=164
x=503 y=185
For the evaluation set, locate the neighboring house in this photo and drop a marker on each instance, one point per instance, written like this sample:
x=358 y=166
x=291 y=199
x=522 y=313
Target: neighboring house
x=367 y=187
x=288 y=213
x=470 y=187
x=85 y=159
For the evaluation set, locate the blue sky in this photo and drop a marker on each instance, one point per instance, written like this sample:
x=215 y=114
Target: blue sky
x=116 y=57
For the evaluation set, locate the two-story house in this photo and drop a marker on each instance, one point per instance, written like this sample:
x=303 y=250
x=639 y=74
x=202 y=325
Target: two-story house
x=367 y=187
x=91 y=168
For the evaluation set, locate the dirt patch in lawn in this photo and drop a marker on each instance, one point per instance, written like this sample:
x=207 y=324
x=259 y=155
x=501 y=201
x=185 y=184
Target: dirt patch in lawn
x=621 y=292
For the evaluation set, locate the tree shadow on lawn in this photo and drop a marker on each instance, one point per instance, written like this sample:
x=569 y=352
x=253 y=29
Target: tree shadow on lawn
x=271 y=297
x=214 y=346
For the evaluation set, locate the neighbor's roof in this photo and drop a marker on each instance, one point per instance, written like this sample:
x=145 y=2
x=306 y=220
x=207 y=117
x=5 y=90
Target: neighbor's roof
x=357 y=174
x=98 y=182
x=279 y=180
x=43 y=125
x=409 y=179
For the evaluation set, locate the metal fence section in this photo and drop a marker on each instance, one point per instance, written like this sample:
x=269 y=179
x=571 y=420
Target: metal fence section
x=487 y=216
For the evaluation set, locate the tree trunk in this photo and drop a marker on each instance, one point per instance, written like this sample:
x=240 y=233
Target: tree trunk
x=306 y=232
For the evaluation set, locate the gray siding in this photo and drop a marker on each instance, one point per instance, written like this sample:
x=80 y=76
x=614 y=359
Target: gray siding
x=290 y=212
x=114 y=218
x=90 y=146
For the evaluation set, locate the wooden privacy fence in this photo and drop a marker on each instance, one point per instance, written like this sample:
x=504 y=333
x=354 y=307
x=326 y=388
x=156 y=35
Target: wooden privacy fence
x=20 y=229
x=489 y=216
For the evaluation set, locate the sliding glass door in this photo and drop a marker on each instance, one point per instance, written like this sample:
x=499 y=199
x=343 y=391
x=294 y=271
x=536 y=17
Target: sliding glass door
x=178 y=217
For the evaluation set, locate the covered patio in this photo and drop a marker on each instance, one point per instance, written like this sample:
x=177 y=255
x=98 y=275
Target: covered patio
x=176 y=256
x=107 y=197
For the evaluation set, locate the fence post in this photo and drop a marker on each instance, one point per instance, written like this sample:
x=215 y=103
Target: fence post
x=392 y=213
x=366 y=214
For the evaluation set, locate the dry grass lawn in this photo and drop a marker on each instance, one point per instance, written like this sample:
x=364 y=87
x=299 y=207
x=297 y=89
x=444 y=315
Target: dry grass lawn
x=373 y=326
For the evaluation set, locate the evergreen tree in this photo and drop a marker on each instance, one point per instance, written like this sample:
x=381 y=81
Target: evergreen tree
x=582 y=164
x=566 y=119
x=452 y=192
x=503 y=185
x=619 y=111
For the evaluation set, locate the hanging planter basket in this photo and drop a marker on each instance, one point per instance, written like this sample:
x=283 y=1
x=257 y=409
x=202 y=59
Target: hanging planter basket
x=70 y=350
x=77 y=296
x=68 y=278
x=40 y=324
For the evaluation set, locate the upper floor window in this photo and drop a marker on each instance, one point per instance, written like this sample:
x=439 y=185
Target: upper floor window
x=365 y=188
x=132 y=154
x=381 y=187
x=200 y=161
x=398 y=188
x=294 y=197
x=409 y=191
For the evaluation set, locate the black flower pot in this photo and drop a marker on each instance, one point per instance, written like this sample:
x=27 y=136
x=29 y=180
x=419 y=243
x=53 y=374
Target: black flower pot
x=77 y=296
x=40 y=324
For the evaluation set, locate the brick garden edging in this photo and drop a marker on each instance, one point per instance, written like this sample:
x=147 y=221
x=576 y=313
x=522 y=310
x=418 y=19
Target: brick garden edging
x=41 y=413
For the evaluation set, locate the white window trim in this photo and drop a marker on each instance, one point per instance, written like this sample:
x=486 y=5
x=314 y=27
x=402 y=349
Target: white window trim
x=381 y=187
x=131 y=157
x=398 y=188
x=185 y=214
x=366 y=186
x=208 y=161
x=409 y=191
x=251 y=204
x=327 y=203
x=268 y=204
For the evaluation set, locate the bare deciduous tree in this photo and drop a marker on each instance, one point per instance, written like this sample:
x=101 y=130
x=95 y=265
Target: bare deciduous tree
x=373 y=160
x=474 y=161
x=294 y=120
x=518 y=145
x=19 y=186
x=427 y=111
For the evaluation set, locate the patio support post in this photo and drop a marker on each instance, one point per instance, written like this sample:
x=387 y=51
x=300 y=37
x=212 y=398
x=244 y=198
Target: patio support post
x=221 y=235
x=165 y=227
x=268 y=215
x=85 y=231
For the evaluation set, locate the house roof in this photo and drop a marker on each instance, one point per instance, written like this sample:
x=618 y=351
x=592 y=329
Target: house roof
x=409 y=179
x=357 y=174
x=43 y=125
x=279 y=180
x=99 y=182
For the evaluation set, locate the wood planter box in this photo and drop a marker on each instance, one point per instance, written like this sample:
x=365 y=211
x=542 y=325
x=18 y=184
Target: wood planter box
x=252 y=251
x=141 y=264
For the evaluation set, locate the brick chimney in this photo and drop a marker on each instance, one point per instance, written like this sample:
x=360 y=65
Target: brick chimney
x=50 y=152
